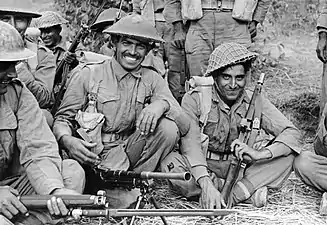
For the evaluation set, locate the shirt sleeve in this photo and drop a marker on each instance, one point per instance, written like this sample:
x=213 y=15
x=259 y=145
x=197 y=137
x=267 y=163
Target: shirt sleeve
x=322 y=19
x=261 y=10
x=287 y=136
x=41 y=82
x=74 y=99
x=39 y=153
x=173 y=11
x=175 y=113
x=191 y=142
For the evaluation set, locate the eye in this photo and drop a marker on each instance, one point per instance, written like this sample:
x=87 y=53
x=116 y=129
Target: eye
x=125 y=43
x=226 y=77
x=141 y=47
x=240 y=78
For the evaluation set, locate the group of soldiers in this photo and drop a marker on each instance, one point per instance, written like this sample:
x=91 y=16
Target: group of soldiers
x=133 y=119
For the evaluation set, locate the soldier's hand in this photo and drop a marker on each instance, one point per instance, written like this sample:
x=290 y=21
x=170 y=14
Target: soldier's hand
x=69 y=57
x=252 y=26
x=78 y=149
x=150 y=115
x=179 y=35
x=210 y=197
x=9 y=203
x=243 y=152
x=322 y=47
x=56 y=206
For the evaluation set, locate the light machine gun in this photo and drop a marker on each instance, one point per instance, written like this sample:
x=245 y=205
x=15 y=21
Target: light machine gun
x=131 y=180
x=97 y=205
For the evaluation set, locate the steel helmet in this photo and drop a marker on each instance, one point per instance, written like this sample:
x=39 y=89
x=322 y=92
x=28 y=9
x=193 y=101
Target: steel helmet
x=135 y=25
x=107 y=18
x=228 y=54
x=18 y=7
x=12 y=46
x=49 y=19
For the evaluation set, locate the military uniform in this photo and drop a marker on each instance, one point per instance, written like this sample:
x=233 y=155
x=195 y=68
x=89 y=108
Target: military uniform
x=216 y=26
x=29 y=155
x=153 y=11
x=222 y=128
x=121 y=97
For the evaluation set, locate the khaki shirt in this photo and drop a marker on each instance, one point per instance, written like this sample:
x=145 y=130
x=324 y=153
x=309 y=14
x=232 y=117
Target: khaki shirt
x=26 y=141
x=173 y=10
x=40 y=83
x=121 y=97
x=223 y=128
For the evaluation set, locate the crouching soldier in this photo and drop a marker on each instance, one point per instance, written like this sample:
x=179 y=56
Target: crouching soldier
x=29 y=155
x=229 y=66
x=143 y=121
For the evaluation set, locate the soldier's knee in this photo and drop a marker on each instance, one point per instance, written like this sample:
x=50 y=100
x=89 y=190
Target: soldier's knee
x=75 y=173
x=168 y=130
x=302 y=163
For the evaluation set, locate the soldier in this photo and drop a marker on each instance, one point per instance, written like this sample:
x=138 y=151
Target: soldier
x=106 y=19
x=212 y=22
x=321 y=49
x=229 y=66
x=171 y=52
x=142 y=119
x=50 y=25
x=29 y=156
x=40 y=82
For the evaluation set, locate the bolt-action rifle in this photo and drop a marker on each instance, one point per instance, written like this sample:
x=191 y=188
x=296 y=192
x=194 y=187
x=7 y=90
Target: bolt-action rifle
x=97 y=206
x=63 y=68
x=249 y=130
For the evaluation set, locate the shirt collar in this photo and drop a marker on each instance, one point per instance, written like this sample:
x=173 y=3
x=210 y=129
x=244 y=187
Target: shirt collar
x=120 y=72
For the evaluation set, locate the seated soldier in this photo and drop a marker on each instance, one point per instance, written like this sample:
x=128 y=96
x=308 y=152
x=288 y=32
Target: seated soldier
x=229 y=66
x=29 y=155
x=311 y=166
x=143 y=121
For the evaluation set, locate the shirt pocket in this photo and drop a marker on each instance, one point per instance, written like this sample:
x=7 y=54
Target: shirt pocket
x=108 y=106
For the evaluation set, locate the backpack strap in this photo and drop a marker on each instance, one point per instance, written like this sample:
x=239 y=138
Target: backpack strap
x=203 y=86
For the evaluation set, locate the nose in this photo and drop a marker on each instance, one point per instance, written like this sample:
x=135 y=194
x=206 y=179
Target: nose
x=132 y=50
x=233 y=83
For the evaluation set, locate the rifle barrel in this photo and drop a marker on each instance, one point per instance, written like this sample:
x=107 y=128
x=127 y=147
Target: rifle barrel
x=40 y=201
x=153 y=212
x=109 y=174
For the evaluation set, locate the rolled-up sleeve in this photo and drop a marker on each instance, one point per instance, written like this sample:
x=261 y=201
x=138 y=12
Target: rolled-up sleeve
x=322 y=19
x=74 y=99
x=191 y=142
x=261 y=10
x=287 y=136
x=173 y=11
x=39 y=153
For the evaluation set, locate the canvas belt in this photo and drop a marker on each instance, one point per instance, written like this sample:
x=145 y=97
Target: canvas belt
x=110 y=137
x=217 y=156
x=219 y=5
